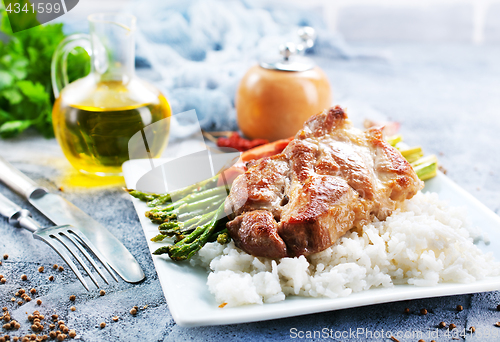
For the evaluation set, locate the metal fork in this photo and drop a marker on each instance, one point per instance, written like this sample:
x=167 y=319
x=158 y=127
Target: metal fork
x=57 y=237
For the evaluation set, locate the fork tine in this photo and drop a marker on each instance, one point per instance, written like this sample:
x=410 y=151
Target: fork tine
x=77 y=257
x=86 y=254
x=66 y=259
x=86 y=242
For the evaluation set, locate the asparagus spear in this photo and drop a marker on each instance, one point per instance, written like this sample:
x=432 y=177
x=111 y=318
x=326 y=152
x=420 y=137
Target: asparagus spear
x=192 y=243
x=143 y=196
x=195 y=200
x=169 y=229
x=161 y=216
x=154 y=200
x=394 y=139
x=223 y=237
x=185 y=211
x=412 y=154
x=198 y=187
x=426 y=167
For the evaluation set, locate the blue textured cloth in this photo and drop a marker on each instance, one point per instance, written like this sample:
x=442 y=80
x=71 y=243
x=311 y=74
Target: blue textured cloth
x=201 y=49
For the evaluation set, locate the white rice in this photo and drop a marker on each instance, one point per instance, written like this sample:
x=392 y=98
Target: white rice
x=423 y=244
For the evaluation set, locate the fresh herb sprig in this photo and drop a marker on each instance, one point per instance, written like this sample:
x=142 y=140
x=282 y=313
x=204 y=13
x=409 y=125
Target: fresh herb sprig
x=26 y=96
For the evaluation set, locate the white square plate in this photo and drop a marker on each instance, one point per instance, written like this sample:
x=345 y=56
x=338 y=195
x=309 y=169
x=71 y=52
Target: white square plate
x=191 y=304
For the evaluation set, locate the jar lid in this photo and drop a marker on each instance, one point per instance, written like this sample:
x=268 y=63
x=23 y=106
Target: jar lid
x=292 y=58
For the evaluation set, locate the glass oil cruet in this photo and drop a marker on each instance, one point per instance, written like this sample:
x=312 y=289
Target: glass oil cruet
x=94 y=117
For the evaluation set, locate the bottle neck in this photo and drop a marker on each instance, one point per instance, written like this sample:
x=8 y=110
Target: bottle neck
x=113 y=51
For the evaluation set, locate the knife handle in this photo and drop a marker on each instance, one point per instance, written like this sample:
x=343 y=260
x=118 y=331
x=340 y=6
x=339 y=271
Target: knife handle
x=16 y=180
x=18 y=217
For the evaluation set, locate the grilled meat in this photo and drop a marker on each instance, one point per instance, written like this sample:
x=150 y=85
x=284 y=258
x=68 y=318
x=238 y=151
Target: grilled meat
x=330 y=179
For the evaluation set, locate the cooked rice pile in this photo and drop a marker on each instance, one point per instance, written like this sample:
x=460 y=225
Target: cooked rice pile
x=424 y=243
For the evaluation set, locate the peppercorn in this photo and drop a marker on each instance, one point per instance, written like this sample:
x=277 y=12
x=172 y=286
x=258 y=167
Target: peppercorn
x=102 y=292
x=33 y=291
x=472 y=329
x=442 y=324
x=40 y=269
x=55 y=266
x=102 y=325
x=39 y=301
x=452 y=326
x=55 y=317
x=60 y=269
x=133 y=311
x=51 y=278
x=24 y=277
x=5 y=256
x=72 y=298
x=3 y=280
x=460 y=307
x=423 y=311
x=72 y=333
x=115 y=318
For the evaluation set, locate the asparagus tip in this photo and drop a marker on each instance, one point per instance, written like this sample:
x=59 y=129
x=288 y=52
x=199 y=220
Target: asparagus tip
x=162 y=250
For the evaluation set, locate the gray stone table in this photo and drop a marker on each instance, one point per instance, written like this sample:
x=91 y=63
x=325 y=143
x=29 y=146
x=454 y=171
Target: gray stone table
x=447 y=99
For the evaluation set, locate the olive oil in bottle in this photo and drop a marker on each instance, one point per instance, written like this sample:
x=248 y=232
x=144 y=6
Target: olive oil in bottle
x=95 y=116
x=94 y=127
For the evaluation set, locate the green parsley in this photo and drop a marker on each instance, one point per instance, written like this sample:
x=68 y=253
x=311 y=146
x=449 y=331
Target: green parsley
x=26 y=96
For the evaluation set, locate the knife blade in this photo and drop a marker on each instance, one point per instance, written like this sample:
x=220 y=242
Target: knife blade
x=61 y=212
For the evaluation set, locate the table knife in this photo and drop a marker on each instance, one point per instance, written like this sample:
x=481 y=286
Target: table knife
x=62 y=212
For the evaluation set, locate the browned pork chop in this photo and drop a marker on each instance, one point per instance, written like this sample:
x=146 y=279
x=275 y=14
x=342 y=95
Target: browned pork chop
x=331 y=178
